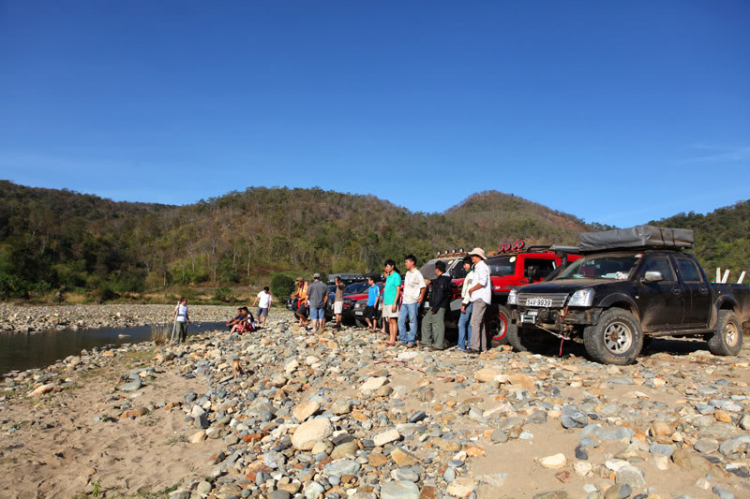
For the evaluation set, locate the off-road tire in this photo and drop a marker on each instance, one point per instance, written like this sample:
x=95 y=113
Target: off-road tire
x=616 y=339
x=727 y=339
x=502 y=315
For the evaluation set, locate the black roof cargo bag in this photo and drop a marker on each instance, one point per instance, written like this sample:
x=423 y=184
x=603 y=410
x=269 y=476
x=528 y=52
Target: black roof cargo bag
x=641 y=236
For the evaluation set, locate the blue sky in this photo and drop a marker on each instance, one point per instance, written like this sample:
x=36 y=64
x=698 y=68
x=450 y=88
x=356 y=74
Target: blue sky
x=617 y=112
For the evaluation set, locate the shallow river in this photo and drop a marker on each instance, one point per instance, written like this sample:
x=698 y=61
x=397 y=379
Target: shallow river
x=26 y=351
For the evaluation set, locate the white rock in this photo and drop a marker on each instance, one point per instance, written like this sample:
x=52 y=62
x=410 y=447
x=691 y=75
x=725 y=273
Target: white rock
x=42 y=390
x=461 y=487
x=486 y=375
x=305 y=409
x=291 y=366
x=386 y=437
x=407 y=355
x=311 y=431
x=554 y=462
x=373 y=383
x=583 y=468
x=197 y=437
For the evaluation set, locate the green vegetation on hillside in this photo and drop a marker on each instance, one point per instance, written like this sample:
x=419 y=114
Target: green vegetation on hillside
x=58 y=239
x=722 y=237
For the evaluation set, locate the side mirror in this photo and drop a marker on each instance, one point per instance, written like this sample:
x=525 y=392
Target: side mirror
x=653 y=276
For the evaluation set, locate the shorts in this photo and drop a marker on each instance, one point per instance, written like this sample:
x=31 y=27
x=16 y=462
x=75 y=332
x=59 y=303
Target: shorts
x=387 y=311
x=317 y=313
x=338 y=307
x=370 y=312
x=262 y=312
x=302 y=310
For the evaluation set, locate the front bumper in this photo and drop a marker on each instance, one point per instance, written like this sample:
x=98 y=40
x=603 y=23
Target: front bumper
x=557 y=320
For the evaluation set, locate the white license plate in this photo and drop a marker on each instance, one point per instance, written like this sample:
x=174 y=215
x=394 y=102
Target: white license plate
x=359 y=312
x=529 y=317
x=538 y=301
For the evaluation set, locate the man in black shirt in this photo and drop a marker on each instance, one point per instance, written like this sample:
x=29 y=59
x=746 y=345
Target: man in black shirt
x=433 y=325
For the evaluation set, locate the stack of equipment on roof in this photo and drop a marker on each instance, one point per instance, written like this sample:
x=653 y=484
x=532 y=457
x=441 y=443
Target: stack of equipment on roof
x=640 y=236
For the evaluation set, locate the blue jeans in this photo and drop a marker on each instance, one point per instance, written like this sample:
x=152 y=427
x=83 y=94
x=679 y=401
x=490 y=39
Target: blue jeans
x=317 y=313
x=410 y=311
x=464 y=340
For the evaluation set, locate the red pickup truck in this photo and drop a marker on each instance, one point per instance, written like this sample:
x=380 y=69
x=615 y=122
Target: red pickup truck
x=511 y=268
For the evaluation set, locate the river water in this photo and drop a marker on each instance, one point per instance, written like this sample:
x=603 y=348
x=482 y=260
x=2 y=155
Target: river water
x=26 y=351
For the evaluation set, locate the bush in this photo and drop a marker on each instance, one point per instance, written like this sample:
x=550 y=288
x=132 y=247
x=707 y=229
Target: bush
x=282 y=286
x=104 y=294
x=224 y=293
x=13 y=287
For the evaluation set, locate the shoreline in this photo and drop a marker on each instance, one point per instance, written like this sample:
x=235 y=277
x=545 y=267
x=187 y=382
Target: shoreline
x=37 y=318
x=340 y=414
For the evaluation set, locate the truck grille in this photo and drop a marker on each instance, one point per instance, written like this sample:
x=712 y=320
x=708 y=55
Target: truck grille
x=558 y=299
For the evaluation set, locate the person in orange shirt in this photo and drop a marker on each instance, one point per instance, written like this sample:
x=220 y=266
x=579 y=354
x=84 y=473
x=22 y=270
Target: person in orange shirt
x=301 y=296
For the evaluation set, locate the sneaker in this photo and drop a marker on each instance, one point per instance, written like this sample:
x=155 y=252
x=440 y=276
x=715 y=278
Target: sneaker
x=410 y=345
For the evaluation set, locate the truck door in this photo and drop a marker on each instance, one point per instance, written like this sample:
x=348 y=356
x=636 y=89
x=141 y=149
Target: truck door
x=661 y=304
x=697 y=297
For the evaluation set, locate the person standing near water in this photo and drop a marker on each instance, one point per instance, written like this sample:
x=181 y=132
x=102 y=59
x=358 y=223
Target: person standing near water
x=181 y=319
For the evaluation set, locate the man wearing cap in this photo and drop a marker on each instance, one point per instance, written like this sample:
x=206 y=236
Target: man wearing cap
x=317 y=297
x=480 y=296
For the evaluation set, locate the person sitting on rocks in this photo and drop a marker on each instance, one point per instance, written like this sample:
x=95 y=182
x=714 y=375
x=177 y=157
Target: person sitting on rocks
x=238 y=319
x=246 y=324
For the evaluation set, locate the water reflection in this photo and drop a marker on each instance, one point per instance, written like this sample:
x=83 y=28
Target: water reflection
x=26 y=351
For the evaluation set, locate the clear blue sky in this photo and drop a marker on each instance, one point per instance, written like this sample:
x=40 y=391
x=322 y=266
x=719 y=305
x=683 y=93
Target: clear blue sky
x=618 y=112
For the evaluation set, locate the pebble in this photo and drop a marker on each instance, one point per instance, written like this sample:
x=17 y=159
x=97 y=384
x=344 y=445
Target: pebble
x=398 y=489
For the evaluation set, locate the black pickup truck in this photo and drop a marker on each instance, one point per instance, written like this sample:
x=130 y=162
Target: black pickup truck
x=631 y=285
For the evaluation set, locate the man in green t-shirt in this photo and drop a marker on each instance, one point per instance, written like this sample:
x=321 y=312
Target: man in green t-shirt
x=391 y=295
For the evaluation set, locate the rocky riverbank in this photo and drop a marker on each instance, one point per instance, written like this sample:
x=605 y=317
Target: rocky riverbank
x=29 y=319
x=341 y=415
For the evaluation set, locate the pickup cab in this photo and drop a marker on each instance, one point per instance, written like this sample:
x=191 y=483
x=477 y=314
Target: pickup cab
x=612 y=300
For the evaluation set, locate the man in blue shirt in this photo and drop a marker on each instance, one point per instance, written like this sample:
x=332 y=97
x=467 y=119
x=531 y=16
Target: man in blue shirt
x=373 y=295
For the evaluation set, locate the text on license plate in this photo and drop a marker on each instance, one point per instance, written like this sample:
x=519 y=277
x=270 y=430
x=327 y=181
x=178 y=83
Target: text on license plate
x=538 y=301
x=358 y=312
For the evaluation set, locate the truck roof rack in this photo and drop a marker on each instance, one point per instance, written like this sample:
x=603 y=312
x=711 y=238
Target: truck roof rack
x=638 y=237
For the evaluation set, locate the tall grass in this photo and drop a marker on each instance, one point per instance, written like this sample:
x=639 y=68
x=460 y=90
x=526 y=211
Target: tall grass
x=160 y=333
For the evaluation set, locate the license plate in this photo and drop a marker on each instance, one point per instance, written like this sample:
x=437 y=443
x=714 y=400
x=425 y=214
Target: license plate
x=529 y=317
x=359 y=312
x=538 y=301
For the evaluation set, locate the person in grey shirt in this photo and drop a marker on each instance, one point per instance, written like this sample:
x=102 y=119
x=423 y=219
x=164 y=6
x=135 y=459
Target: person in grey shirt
x=317 y=297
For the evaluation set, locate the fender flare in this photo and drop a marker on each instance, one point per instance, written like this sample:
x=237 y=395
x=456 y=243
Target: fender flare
x=620 y=298
x=718 y=305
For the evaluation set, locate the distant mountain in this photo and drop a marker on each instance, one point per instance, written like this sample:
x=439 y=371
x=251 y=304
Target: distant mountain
x=51 y=239
x=722 y=237
x=58 y=238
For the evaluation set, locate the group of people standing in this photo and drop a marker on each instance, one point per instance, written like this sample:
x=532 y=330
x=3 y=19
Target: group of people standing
x=400 y=305
x=476 y=295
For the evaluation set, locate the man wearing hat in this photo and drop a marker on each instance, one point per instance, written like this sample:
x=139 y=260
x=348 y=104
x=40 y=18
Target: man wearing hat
x=480 y=296
x=317 y=297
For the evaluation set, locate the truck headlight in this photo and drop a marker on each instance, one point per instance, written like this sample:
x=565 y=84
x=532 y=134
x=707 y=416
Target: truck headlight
x=513 y=297
x=582 y=298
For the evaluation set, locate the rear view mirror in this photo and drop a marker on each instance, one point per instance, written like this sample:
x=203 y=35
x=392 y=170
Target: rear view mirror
x=653 y=276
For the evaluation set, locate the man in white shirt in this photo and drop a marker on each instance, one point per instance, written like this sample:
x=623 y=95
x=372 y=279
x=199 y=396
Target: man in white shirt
x=414 y=290
x=265 y=299
x=480 y=296
x=181 y=319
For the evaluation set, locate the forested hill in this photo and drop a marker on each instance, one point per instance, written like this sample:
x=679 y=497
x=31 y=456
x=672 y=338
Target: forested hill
x=51 y=239
x=722 y=237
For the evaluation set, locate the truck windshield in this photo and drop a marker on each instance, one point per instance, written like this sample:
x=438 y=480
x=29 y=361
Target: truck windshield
x=616 y=267
x=357 y=287
x=502 y=265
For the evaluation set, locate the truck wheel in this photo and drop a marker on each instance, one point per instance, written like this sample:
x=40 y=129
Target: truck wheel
x=616 y=339
x=727 y=339
x=525 y=339
x=497 y=326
